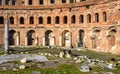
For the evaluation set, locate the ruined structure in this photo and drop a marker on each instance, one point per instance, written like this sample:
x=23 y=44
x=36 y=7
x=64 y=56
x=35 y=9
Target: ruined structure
x=68 y=23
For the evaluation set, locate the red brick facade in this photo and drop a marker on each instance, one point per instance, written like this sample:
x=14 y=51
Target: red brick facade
x=91 y=23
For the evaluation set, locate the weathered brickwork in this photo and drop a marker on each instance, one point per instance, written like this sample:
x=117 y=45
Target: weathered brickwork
x=69 y=23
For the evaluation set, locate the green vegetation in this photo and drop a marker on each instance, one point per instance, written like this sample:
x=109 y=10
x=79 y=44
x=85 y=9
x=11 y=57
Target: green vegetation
x=62 y=68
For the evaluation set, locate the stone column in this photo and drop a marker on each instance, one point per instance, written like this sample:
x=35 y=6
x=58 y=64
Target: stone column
x=6 y=36
x=70 y=38
x=36 y=40
x=26 y=40
x=84 y=42
x=17 y=39
x=77 y=40
x=43 y=41
x=60 y=42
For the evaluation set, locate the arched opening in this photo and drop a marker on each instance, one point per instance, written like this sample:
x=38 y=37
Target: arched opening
x=12 y=37
x=31 y=37
x=96 y=17
x=112 y=38
x=81 y=19
x=66 y=41
x=81 y=38
x=40 y=20
x=13 y=2
x=51 y=1
x=7 y=2
x=30 y=2
x=57 y=20
x=1 y=20
x=71 y=1
x=0 y=2
x=104 y=17
x=95 y=38
x=82 y=0
x=73 y=19
x=88 y=18
x=40 y=2
x=21 y=20
x=31 y=20
x=63 y=1
x=11 y=20
x=49 y=38
x=48 y=20
x=65 y=19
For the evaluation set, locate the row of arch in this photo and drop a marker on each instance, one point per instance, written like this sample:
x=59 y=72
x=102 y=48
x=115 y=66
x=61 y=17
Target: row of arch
x=30 y=2
x=65 y=38
x=57 y=19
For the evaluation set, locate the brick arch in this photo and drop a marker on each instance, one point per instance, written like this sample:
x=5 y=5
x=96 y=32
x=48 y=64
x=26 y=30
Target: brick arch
x=80 y=40
x=49 y=38
x=31 y=37
x=1 y=19
x=95 y=37
x=66 y=38
x=112 y=38
x=12 y=38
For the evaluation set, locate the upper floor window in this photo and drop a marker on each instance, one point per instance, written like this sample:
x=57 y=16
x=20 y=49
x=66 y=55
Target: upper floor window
x=52 y=1
x=65 y=19
x=40 y=2
x=88 y=18
x=30 y=2
x=82 y=0
x=104 y=17
x=0 y=2
x=31 y=21
x=63 y=1
x=21 y=20
x=13 y=2
x=11 y=20
x=40 y=20
x=57 y=20
x=6 y=2
x=81 y=19
x=1 y=20
x=48 y=20
x=96 y=17
x=72 y=1
x=73 y=19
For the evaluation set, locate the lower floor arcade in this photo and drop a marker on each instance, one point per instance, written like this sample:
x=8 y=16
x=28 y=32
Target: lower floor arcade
x=104 y=39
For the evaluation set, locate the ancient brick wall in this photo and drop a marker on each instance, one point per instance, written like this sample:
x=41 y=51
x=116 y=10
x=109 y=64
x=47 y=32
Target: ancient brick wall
x=90 y=23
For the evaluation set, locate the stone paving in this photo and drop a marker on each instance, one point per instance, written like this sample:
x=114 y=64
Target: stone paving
x=12 y=57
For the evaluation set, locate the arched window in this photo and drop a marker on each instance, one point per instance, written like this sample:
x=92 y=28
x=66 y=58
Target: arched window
x=71 y=1
x=31 y=20
x=65 y=19
x=13 y=2
x=57 y=20
x=6 y=2
x=96 y=17
x=63 y=1
x=0 y=2
x=40 y=2
x=89 y=18
x=1 y=20
x=104 y=17
x=48 y=20
x=30 y=2
x=40 y=20
x=52 y=1
x=21 y=20
x=11 y=20
x=73 y=19
x=81 y=19
x=82 y=0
